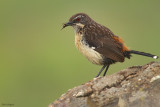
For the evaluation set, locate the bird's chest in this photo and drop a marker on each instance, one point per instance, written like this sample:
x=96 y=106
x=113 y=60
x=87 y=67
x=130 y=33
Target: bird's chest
x=87 y=51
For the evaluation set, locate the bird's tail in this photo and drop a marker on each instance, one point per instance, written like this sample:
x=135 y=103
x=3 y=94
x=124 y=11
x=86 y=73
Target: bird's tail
x=143 y=54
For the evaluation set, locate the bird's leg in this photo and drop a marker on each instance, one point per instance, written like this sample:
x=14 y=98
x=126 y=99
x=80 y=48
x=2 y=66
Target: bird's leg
x=106 y=70
x=101 y=70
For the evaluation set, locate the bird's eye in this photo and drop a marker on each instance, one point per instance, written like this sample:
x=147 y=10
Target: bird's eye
x=78 y=19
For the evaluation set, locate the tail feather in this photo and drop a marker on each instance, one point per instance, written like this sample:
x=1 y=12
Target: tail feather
x=143 y=54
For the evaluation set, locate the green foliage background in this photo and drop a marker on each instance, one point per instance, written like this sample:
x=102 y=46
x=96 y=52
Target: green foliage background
x=39 y=62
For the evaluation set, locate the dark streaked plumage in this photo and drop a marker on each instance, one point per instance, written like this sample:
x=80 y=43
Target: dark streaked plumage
x=98 y=43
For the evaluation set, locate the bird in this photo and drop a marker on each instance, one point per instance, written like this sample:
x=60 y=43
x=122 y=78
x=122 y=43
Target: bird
x=98 y=43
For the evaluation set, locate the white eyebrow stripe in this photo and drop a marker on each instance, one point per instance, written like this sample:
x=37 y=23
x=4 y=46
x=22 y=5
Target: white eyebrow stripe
x=78 y=17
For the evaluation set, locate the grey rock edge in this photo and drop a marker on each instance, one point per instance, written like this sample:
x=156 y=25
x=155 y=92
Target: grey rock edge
x=137 y=86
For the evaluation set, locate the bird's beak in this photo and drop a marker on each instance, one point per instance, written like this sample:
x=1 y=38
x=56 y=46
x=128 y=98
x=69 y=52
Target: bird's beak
x=67 y=24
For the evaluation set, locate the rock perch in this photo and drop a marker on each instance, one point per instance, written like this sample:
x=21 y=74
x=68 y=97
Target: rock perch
x=137 y=86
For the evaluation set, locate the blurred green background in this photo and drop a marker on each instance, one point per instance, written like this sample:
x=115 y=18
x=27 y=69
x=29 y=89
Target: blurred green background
x=39 y=62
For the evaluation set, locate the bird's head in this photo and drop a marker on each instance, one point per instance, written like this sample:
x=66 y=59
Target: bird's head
x=78 y=20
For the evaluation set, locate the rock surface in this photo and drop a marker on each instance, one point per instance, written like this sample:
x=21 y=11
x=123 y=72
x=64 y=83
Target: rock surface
x=137 y=86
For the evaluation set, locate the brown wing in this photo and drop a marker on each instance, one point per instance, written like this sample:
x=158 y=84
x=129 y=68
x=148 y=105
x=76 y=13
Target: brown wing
x=102 y=39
